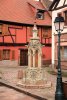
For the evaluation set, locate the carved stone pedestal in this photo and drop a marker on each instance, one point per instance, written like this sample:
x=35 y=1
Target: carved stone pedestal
x=34 y=78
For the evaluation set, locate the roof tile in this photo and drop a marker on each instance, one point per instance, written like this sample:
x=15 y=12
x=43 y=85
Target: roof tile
x=19 y=11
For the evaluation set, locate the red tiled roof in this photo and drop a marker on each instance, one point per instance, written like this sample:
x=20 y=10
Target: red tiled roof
x=36 y=4
x=20 y=11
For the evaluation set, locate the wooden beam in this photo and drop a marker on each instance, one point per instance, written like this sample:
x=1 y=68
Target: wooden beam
x=64 y=2
x=54 y=4
x=13 y=44
x=11 y=35
x=59 y=7
x=26 y=34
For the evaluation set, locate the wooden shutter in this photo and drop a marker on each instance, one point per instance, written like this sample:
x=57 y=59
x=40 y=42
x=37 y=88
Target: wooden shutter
x=0 y=54
x=5 y=29
x=0 y=28
x=45 y=33
x=13 y=55
x=65 y=17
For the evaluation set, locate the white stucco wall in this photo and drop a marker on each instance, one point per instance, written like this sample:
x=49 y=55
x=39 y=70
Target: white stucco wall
x=54 y=15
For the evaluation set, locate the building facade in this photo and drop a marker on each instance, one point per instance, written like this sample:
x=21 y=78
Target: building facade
x=59 y=7
x=17 y=19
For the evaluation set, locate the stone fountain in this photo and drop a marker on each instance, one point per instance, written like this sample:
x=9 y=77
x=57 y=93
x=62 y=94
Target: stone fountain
x=34 y=75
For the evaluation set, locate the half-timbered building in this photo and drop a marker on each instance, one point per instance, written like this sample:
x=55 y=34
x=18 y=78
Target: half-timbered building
x=59 y=7
x=17 y=18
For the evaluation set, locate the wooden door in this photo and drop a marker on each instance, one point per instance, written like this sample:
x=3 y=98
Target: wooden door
x=23 y=57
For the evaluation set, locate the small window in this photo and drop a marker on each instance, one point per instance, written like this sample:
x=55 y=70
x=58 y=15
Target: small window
x=62 y=52
x=40 y=15
x=65 y=17
x=5 y=29
x=65 y=52
x=6 y=54
x=45 y=33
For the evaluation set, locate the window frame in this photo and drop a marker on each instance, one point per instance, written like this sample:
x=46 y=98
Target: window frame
x=40 y=12
x=62 y=50
x=65 y=17
x=6 y=54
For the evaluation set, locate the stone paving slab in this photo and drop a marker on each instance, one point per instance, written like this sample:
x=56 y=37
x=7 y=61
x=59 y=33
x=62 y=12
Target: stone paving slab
x=10 y=94
x=19 y=89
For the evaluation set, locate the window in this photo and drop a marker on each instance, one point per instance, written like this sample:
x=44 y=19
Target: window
x=65 y=52
x=6 y=54
x=65 y=17
x=40 y=14
x=5 y=29
x=0 y=28
x=45 y=33
x=62 y=51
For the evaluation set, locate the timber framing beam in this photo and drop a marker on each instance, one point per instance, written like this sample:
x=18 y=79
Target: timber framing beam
x=21 y=44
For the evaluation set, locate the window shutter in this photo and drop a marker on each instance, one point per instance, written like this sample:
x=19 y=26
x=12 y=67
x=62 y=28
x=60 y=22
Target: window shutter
x=0 y=54
x=5 y=29
x=66 y=18
x=13 y=55
x=0 y=28
x=45 y=33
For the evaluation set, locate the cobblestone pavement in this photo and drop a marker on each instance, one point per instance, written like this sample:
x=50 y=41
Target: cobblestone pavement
x=10 y=94
x=11 y=74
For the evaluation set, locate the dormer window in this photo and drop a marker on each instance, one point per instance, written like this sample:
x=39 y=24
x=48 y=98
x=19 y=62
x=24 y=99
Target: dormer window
x=40 y=14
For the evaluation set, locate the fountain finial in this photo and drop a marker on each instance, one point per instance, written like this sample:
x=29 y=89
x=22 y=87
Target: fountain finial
x=35 y=31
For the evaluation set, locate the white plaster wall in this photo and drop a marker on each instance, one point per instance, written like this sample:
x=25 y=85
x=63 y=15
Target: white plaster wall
x=54 y=15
